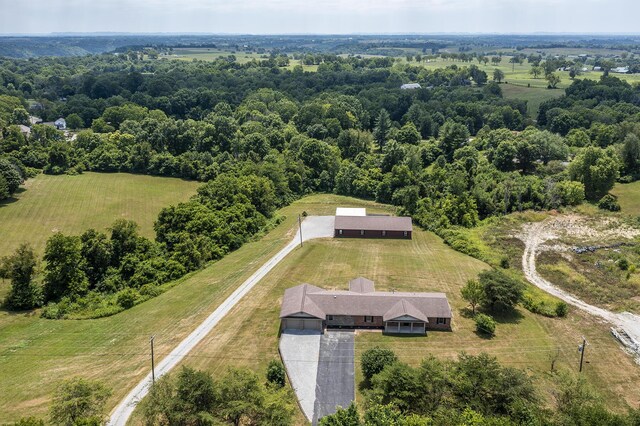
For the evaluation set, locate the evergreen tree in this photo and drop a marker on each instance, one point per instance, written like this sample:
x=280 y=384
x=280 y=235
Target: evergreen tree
x=382 y=129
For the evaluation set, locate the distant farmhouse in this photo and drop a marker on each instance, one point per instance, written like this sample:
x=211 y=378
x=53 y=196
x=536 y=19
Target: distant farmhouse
x=60 y=124
x=307 y=307
x=410 y=86
x=355 y=223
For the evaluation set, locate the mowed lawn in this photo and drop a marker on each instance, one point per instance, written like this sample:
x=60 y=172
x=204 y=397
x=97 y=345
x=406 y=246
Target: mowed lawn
x=36 y=354
x=248 y=336
x=629 y=197
x=73 y=204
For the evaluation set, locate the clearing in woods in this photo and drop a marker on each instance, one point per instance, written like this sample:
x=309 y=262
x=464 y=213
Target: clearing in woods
x=73 y=204
x=248 y=335
x=533 y=95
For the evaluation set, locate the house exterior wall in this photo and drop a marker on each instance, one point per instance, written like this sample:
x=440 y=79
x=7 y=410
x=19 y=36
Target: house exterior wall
x=433 y=324
x=356 y=321
x=354 y=233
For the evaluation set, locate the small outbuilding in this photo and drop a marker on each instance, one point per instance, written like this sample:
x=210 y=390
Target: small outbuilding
x=355 y=223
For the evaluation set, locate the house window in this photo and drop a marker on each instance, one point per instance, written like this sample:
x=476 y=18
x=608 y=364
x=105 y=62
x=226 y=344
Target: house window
x=362 y=232
x=441 y=320
x=405 y=233
x=340 y=231
x=406 y=324
x=368 y=319
x=329 y=317
x=384 y=233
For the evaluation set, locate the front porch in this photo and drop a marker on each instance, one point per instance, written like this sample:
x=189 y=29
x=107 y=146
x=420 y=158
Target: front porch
x=405 y=327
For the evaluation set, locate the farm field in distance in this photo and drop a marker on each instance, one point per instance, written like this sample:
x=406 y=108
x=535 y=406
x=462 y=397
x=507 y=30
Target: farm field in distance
x=211 y=54
x=525 y=340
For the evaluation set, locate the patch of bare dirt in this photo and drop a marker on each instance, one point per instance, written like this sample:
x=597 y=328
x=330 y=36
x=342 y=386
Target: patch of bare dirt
x=553 y=234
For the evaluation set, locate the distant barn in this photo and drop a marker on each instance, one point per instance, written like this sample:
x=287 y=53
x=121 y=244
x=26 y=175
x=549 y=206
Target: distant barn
x=410 y=86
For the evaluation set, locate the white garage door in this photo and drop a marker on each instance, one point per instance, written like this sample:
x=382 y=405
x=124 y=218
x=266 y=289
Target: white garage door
x=303 y=324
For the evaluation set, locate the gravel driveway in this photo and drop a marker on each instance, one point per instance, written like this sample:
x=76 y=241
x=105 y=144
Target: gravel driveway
x=335 y=380
x=626 y=325
x=312 y=227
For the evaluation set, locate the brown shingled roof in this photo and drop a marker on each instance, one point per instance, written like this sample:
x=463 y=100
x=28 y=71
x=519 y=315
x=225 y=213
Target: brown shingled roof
x=310 y=300
x=374 y=223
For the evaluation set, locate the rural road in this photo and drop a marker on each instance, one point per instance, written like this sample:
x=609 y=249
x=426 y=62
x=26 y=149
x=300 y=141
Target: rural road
x=312 y=227
x=536 y=235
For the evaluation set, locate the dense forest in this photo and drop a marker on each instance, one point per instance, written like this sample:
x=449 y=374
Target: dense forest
x=261 y=135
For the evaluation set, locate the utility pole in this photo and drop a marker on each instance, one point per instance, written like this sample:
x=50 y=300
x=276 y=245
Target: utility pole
x=300 y=229
x=153 y=367
x=581 y=348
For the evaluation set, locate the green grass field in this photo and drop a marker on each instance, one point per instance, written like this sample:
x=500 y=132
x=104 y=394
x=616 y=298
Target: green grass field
x=629 y=197
x=72 y=204
x=210 y=54
x=533 y=95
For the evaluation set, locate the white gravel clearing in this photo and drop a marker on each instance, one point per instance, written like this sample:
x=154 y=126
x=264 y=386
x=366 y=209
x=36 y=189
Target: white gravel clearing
x=312 y=227
x=626 y=326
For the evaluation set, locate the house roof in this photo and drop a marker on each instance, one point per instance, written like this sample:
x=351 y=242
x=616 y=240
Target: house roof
x=361 y=285
x=349 y=211
x=411 y=86
x=309 y=300
x=374 y=223
x=404 y=308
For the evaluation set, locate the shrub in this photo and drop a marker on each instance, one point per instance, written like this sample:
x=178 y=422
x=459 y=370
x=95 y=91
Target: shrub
x=276 y=373
x=150 y=290
x=623 y=264
x=562 y=309
x=534 y=304
x=375 y=359
x=609 y=202
x=127 y=298
x=485 y=324
x=504 y=262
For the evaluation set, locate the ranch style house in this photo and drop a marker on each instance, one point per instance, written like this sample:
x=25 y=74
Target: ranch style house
x=307 y=307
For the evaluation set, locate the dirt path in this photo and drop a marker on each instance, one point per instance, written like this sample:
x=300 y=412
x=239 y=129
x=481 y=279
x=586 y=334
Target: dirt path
x=626 y=326
x=312 y=227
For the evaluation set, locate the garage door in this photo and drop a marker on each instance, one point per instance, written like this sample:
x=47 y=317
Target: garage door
x=303 y=324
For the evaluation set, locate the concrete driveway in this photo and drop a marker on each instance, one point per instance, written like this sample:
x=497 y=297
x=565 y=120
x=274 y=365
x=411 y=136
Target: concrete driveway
x=335 y=385
x=300 y=351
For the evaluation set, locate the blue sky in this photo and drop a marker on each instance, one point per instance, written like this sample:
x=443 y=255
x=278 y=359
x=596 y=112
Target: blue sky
x=320 y=16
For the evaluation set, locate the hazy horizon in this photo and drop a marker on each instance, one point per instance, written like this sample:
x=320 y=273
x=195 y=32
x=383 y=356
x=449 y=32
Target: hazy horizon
x=322 y=17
